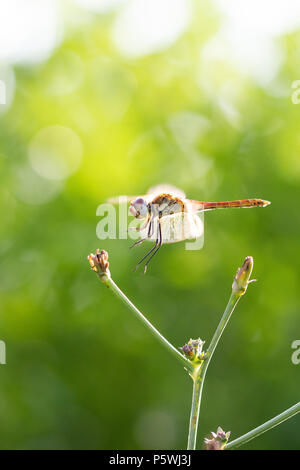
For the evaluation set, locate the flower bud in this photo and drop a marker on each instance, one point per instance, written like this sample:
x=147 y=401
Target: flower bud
x=218 y=440
x=193 y=350
x=99 y=263
x=241 y=280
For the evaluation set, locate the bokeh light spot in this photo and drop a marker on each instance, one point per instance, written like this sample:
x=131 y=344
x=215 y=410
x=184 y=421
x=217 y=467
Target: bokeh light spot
x=7 y=88
x=30 y=188
x=55 y=152
x=29 y=31
x=147 y=26
x=274 y=19
x=99 y=6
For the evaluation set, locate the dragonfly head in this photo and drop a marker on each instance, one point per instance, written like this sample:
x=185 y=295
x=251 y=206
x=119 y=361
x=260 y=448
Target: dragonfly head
x=139 y=208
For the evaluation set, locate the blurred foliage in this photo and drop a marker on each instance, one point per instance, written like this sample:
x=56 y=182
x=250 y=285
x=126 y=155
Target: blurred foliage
x=81 y=371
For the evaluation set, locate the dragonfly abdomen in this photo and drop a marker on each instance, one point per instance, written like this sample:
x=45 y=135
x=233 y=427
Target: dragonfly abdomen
x=225 y=204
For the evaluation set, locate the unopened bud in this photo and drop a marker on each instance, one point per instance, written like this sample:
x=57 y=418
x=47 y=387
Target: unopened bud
x=99 y=263
x=218 y=440
x=242 y=277
x=193 y=350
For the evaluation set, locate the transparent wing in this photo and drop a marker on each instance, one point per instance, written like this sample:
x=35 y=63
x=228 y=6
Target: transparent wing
x=165 y=188
x=151 y=194
x=123 y=199
x=176 y=227
x=194 y=206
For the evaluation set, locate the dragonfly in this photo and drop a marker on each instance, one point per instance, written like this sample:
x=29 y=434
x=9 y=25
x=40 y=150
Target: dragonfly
x=167 y=216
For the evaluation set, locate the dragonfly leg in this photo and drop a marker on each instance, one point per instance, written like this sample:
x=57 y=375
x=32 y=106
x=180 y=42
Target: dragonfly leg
x=158 y=247
x=150 y=233
x=138 y=242
x=150 y=251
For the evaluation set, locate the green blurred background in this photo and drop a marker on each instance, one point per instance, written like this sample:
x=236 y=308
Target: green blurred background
x=111 y=97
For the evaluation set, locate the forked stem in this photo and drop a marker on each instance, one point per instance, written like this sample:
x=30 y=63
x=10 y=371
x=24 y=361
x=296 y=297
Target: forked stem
x=239 y=287
x=199 y=373
x=197 y=370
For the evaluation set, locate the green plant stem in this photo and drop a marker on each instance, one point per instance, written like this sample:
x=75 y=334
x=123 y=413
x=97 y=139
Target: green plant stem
x=117 y=291
x=265 y=427
x=199 y=372
x=194 y=416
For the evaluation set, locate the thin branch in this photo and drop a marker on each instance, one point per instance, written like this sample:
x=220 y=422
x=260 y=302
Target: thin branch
x=199 y=374
x=195 y=410
x=99 y=264
x=239 y=288
x=289 y=413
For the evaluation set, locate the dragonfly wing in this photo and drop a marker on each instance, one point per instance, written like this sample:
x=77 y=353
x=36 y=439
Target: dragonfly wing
x=194 y=206
x=151 y=194
x=119 y=199
x=176 y=227
x=165 y=189
x=125 y=199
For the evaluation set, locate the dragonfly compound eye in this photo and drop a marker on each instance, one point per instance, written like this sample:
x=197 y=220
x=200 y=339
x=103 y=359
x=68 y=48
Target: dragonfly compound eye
x=139 y=208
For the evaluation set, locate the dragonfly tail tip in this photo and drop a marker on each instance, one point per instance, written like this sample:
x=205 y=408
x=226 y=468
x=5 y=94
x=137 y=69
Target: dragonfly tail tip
x=266 y=203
